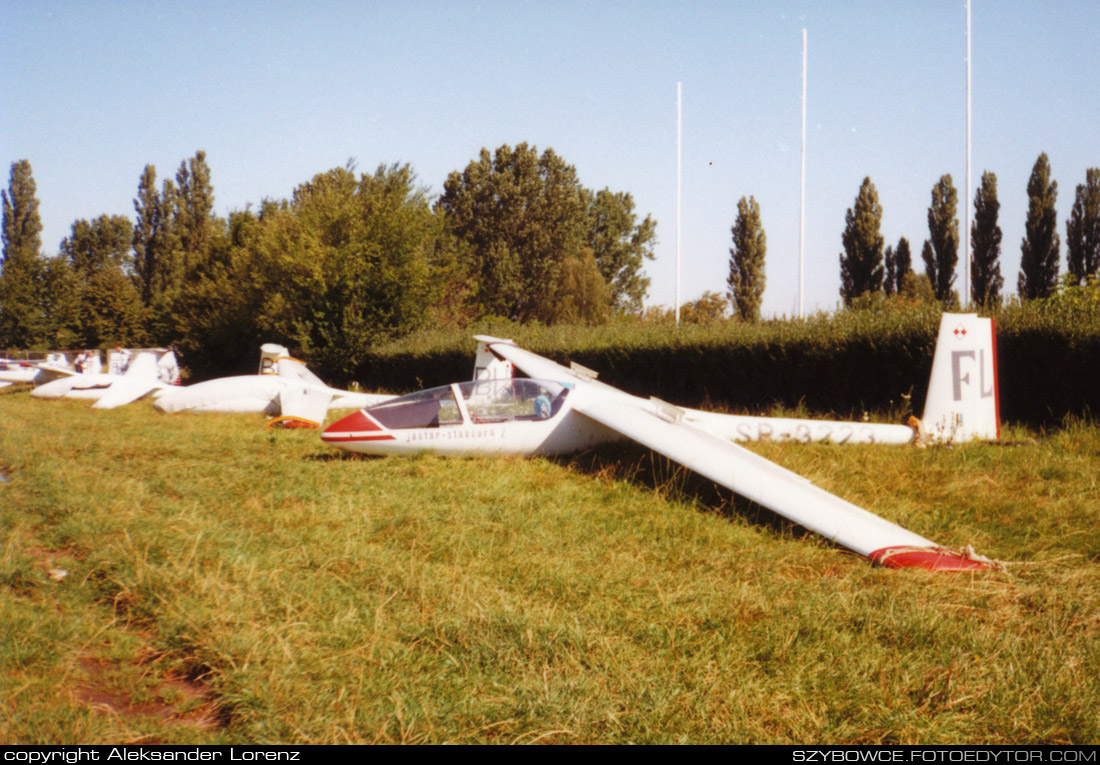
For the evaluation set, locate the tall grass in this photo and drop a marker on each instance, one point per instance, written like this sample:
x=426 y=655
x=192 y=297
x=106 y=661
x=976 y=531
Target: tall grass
x=605 y=598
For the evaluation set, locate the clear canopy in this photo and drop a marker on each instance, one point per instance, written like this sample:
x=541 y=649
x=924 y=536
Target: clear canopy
x=485 y=401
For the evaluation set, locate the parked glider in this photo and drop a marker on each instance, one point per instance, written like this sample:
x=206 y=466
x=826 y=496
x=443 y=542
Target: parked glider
x=144 y=372
x=284 y=389
x=962 y=401
x=558 y=410
x=34 y=372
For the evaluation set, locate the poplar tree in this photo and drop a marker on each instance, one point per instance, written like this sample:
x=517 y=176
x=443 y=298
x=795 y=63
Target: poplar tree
x=903 y=263
x=985 y=240
x=941 y=251
x=21 y=262
x=861 y=268
x=890 y=283
x=750 y=244
x=899 y=262
x=193 y=217
x=1083 y=229
x=1040 y=245
x=154 y=243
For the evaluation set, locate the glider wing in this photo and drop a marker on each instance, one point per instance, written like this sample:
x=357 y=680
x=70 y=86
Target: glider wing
x=662 y=428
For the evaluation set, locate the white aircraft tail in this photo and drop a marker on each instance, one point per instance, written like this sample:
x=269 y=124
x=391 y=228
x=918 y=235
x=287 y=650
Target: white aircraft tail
x=486 y=365
x=276 y=360
x=963 y=401
x=270 y=353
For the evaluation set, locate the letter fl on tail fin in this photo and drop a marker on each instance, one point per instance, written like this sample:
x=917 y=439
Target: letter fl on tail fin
x=963 y=401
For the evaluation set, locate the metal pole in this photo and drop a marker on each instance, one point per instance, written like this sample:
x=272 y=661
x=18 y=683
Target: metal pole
x=802 y=192
x=966 y=195
x=678 y=144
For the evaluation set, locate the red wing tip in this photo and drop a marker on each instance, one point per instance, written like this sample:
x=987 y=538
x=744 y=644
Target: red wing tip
x=934 y=559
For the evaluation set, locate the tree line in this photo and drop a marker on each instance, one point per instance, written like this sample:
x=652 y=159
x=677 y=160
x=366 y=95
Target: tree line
x=868 y=269
x=350 y=259
x=871 y=270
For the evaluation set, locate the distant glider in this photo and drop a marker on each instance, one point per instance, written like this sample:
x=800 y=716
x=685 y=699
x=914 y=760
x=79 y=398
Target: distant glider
x=34 y=372
x=284 y=389
x=558 y=411
x=145 y=371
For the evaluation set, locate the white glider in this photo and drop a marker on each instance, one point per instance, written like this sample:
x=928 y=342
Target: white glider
x=34 y=372
x=962 y=400
x=284 y=389
x=147 y=371
x=562 y=410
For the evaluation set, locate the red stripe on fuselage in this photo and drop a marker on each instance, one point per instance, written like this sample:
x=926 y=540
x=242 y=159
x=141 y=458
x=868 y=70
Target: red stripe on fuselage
x=337 y=438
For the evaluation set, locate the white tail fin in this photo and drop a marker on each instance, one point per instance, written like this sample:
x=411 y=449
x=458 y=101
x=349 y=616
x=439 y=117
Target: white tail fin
x=486 y=365
x=270 y=353
x=963 y=402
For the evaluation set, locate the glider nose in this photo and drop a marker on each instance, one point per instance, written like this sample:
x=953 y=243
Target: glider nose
x=357 y=426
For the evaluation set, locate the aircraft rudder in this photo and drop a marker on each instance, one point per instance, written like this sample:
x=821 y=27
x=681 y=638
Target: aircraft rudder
x=963 y=400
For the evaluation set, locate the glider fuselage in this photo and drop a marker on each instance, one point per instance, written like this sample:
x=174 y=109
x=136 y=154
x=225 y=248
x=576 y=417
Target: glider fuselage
x=519 y=417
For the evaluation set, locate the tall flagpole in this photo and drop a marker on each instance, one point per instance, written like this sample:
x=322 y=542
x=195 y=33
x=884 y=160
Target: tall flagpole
x=678 y=144
x=802 y=192
x=966 y=196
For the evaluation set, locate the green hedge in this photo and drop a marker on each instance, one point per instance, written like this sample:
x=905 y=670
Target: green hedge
x=842 y=364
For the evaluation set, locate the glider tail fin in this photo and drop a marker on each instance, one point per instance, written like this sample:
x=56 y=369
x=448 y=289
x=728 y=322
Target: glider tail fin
x=270 y=353
x=487 y=366
x=963 y=400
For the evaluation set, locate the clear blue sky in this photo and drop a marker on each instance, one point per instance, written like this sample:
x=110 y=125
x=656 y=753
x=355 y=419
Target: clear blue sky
x=276 y=92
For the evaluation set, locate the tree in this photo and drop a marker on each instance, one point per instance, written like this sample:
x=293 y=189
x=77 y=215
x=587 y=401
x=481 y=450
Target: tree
x=193 y=218
x=581 y=295
x=985 y=240
x=899 y=262
x=941 y=251
x=1040 y=245
x=709 y=307
x=522 y=215
x=21 y=278
x=110 y=309
x=746 y=278
x=154 y=243
x=522 y=220
x=861 y=268
x=62 y=304
x=917 y=289
x=620 y=246
x=347 y=262
x=890 y=282
x=1083 y=229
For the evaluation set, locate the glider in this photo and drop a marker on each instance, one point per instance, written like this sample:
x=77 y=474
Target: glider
x=142 y=372
x=962 y=401
x=34 y=373
x=284 y=389
x=558 y=410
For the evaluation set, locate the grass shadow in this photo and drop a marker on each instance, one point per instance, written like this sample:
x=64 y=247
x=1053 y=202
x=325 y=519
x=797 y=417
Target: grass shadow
x=645 y=468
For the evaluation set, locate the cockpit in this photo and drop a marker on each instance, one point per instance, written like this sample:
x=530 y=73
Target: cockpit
x=475 y=402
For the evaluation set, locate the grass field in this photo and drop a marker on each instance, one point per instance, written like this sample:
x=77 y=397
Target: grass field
x=197 y=579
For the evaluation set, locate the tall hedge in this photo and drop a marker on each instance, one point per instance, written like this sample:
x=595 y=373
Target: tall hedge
x=841 y=365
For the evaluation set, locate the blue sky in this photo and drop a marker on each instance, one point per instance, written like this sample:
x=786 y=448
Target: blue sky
x=276 y=92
